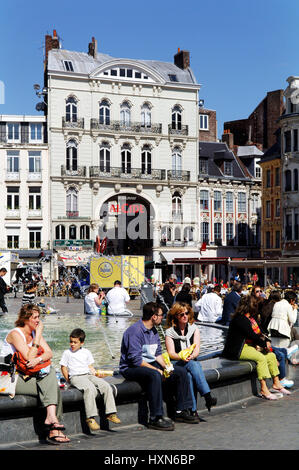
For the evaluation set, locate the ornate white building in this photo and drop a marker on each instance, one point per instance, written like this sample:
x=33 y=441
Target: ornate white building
x=24 y=181
x=123 y=142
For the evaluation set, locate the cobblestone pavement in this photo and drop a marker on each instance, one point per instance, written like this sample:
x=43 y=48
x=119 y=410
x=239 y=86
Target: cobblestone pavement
x=253 y=424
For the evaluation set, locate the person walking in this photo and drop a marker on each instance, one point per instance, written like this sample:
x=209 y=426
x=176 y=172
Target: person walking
x=4 y=288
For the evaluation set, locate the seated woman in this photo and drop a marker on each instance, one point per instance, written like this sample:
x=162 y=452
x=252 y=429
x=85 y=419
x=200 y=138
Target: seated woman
x=27 y=339
x=243 y=340
x=181 y=335
x=93 y=300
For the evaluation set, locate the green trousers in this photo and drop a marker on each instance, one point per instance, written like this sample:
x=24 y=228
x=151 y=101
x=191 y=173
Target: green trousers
x=46 y=390
x=266 y=364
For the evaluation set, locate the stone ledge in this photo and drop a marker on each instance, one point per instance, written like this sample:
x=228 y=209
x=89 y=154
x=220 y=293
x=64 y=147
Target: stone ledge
x=21 y=419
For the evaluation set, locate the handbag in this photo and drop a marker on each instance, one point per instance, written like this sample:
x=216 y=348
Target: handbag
x=21 y=363
x=8 y=379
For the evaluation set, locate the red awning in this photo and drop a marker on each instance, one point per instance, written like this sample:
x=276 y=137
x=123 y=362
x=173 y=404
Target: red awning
x=200 y=260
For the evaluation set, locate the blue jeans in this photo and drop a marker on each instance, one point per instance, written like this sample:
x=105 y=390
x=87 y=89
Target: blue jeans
x=281 y=355
x=197 y=380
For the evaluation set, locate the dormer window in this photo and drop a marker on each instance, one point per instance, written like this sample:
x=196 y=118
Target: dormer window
x=173 y=78
x=125 y=73
x=228 y=168
x=68 y=65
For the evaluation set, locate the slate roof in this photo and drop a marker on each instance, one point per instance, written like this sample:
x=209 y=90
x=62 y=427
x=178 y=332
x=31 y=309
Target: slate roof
x=84 y=63
x=212 y=151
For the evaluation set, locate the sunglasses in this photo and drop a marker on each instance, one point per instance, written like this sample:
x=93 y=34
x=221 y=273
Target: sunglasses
x=257 y=291
x=180 y=315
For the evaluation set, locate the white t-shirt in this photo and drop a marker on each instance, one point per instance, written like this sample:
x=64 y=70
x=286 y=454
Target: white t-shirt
x=90 y=304
x=117 y=298
x=77 y=362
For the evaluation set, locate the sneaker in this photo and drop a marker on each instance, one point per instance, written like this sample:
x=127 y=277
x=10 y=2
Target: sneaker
x=292 y=350
x=113 y=418
x=185 y=417
x=287 y=383
x=195 y=414
x=92 y=424
x=161 y=424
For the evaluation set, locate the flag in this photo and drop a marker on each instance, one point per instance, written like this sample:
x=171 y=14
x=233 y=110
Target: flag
x=203 y=247
x=98 y=244
x=103 y=245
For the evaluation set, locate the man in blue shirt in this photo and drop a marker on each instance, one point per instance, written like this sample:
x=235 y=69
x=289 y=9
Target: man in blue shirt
x=230 y=303
x=141 y=361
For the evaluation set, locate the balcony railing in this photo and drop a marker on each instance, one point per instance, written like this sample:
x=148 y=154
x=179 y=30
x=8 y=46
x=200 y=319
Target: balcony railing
x=77 y=123
x=180 y=175
x=131 y=127
x=79 y=171
x=133 y=173
x=63 y=243
x=179 y=130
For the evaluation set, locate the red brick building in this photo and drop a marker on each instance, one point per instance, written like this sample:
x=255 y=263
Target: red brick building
x=207 y=125
x=260 y=127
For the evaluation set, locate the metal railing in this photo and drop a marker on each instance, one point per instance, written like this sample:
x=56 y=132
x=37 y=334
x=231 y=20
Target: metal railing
x=79 y=171
x=119 y=126
x=179 y=130
x=180 y=175
x=77 y=123
x=132 y=173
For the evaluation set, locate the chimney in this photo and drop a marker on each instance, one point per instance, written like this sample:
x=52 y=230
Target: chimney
x=93 y=48
x=51 y=43
x=228 y=137
x=182 y=59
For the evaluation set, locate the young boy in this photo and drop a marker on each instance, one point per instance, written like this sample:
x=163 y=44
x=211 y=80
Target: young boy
x=77 y=368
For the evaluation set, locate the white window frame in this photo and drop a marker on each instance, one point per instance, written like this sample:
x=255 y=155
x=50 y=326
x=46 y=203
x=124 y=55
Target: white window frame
x=35 y=241
x=34 y=161
x=13 y=198
x=71 y=163
x=72 y=200
x=146 y=115
x=71 y=109
x=230 y=202
x=176 y=118
x=14 y=242
x=104 y=112
x=204 y=198
x=36 y=132
x=217 y=201
x=35 y=198
x=125 y=114
x=146 y=160
x=13 y=128
x=203 y=122
x=105 y=158
x=176 y=160
x=13 y=161
x=241 y=202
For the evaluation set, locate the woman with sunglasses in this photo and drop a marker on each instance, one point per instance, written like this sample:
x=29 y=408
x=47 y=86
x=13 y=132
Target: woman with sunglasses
x=181 y=334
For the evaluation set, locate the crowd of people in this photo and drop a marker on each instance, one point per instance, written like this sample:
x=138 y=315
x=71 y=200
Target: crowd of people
x=260 y=329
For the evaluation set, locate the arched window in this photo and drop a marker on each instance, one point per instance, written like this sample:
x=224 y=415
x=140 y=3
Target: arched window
x=72 y=203
x=146 y=115
x=84 y=232
x=176 y=118
x=125 y=114
x=288 y=180
x=60 y=232
x=104 y=112
x=146 y=160
x=165 y=235
x=71 y=110
x=188 y=234
x=105 y=157
x=176 y=160
x=176 y=206
x=126 y=158
x=71 y=155
x=73 y=232
x=295 y=179
x=177 y=234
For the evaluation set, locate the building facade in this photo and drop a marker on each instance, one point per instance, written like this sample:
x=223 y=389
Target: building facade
x=289 y=123
x=24 y=181
x=123 y=143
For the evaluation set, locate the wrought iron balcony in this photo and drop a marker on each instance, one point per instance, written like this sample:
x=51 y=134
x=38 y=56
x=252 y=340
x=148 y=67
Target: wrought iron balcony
x=131 y=127
x=79 y=171
x=179 y=175
x=76 y=242
x=72 y=214
x=75 y=123
x=179 y=130
x=132 y=173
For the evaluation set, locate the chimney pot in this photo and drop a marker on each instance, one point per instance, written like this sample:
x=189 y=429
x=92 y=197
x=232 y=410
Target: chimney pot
x=182 y=59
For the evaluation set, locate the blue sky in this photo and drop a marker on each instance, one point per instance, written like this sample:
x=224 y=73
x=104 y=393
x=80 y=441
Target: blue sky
x=239 y=49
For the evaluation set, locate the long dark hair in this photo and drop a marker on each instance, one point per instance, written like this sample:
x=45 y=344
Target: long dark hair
x=247 y=304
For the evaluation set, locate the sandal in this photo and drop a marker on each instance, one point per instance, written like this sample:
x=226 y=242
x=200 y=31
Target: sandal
x=60 y=438
x=271 y=396
x=282 y=390
x=54 y=427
